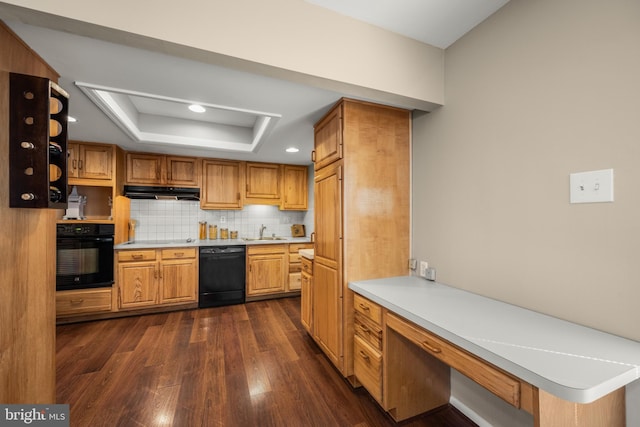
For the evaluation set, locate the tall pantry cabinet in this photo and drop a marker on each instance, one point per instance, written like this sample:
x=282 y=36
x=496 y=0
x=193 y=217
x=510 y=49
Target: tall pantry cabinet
x=362 y=193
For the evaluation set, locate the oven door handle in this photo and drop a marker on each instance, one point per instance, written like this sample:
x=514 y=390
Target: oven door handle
x=86 y=239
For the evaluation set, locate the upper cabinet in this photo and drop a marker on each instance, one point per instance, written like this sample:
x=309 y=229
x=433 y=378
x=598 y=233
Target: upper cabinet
x=295 y=191
x=153 y=169
x=222 y=182
x=90 y=161
x=328 y=139
x=262 y=184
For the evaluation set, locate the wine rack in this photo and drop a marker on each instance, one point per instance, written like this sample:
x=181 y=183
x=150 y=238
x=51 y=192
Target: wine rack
x=39 y=110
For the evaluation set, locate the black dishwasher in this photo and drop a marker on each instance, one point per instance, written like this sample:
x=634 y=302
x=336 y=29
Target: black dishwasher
x=222 y=276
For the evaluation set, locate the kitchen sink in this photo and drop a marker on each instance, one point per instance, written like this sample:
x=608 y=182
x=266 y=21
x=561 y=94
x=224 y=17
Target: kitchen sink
x=257 y=239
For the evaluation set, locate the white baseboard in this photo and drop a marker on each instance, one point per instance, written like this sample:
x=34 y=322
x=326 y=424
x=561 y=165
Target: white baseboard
x=471 y=414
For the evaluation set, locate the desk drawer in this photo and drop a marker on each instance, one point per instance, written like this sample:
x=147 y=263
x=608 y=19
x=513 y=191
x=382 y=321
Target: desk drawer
x=367 y=330
x=367 y=308
x=488 y=376
x=367 y=367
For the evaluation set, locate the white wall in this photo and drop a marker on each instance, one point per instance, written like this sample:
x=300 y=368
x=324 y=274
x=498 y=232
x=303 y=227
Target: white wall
x=290 y=39
x=539 y=90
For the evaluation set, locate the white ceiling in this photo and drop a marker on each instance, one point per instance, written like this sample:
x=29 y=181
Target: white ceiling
x=296 y=107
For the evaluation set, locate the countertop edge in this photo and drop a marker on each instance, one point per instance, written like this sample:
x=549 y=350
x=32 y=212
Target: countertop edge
x=205 y=243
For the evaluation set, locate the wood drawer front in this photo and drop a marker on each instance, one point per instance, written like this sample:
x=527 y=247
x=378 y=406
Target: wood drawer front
x=79 y=302
x=367 y=330
x=295 y=247
x=295 y=268
x=294 y=258
x=367 y=308
x=307 y=265
x=295 y=281
x=265 y=249
x=178 y=253
x=485 y=374
x=367 y=367
x=142 y=255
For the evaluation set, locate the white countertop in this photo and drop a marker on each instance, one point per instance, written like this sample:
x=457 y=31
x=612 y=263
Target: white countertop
x=151 y=244
x=570 y=361
x=307 y=253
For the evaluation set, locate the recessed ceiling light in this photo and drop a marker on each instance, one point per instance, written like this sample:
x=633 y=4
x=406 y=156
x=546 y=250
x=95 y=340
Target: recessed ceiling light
x=292 y=150
x=197 y=108
x=71 y=119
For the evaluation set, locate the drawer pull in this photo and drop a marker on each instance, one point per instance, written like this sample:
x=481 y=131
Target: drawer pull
x=136 y=256
x=179 y=254
x=430 y=347
x=365 y=329
x=77 y=301
x=364 y=355
x=364 y=307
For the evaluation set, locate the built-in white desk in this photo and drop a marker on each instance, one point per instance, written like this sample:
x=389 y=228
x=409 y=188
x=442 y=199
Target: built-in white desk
x=575 y=367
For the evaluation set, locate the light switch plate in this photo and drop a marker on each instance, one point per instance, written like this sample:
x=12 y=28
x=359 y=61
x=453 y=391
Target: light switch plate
x=591 y=187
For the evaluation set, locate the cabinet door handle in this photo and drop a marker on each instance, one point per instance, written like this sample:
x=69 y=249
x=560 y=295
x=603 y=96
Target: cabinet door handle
x=313 y=156
x=77 y=301
x=364 y=307
x=74 y=164
x=430 y=347
x=155 y=274
x=79 y=164
x=364 y=355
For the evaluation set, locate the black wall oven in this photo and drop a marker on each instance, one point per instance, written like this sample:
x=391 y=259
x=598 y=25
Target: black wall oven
x=84 y=255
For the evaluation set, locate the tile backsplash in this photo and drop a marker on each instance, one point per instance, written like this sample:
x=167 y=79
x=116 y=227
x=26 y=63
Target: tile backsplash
x=177 y=220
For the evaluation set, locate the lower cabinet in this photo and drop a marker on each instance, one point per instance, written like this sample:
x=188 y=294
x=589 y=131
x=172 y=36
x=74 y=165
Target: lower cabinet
x=306 y=294
x=156 y=277
x=84 y=301
x=266 y=269
x=295 y=265
x=367 y=345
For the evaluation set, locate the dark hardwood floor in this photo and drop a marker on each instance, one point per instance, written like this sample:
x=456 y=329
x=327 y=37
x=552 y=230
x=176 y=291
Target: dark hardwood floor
x=243 y=365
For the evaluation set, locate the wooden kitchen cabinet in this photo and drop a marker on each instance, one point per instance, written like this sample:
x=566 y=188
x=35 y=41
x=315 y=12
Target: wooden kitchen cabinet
x=328 y=138
x=222 y=184
x=361 y=194
x=367 y=365
x=306 y=294
x=83 y=301
x=156 y=277
x=178 y=275
x=137 y=284
x=295 y=191
x=266 y=269
x=295 y=265
x=154 y=169
x=262 y=183
x=89 y=161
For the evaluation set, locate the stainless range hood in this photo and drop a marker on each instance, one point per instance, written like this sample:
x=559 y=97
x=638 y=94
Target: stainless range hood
x=161 y=193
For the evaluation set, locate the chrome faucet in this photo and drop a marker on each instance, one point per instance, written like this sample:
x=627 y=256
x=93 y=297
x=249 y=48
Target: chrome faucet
x=262 y=228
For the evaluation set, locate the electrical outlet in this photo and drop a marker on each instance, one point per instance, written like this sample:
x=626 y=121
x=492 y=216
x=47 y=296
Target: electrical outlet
x=223 y=219
x=424 y=265
x=430 y=274
x=413 y=264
